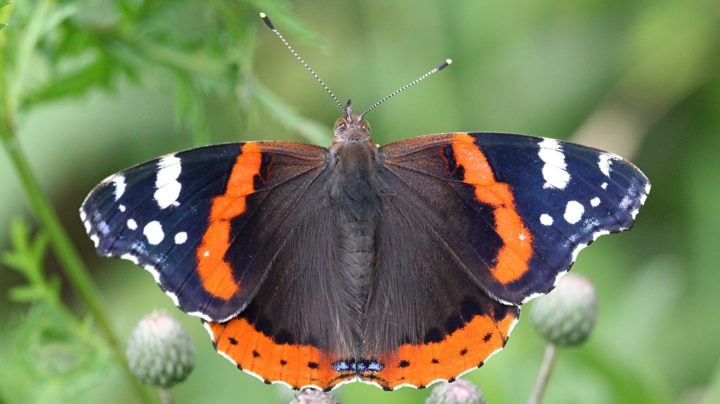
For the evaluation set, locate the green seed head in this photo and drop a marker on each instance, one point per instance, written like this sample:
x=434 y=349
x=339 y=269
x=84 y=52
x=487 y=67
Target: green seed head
x=160 y=352
x=457 y=392
x=566 y=316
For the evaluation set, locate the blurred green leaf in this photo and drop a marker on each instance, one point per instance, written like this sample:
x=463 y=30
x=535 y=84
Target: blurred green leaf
x=49 y=357
x=312 y=131
x=100 y=73
x=26 y=257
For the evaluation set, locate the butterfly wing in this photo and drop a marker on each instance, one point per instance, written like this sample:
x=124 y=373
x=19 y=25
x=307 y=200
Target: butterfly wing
x=186 y=217
x=537 y=202
x=475 y=225
x=241 y=235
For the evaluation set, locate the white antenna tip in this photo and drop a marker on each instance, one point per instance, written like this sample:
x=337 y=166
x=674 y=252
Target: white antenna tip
x=443 y=65
x=267 y=21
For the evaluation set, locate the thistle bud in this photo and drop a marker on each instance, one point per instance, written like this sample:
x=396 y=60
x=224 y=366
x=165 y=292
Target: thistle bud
x=566 y=316
x=457 y=392
x=160 y=352
x=312 y=396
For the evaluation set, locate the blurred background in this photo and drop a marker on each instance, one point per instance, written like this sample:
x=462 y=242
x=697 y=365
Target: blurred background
x=91 y=87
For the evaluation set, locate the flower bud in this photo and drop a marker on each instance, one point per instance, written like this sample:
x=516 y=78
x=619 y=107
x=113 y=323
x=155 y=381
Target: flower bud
x=460 y=391
x=566 y=316
x=312 y=396
x=160 y=352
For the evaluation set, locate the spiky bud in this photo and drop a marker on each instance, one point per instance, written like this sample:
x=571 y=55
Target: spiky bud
x=457 y=392
x=312 y=396
x=160 y=352
x=566 y=316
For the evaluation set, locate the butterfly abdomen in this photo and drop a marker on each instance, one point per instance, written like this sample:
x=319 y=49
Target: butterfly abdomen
x=355 y=205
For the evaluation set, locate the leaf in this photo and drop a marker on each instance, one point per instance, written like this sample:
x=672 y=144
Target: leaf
x=50 y=356
x=58 y=15
x=99 y=73
x=26 y=257
x=25 y=294
x=191 y=111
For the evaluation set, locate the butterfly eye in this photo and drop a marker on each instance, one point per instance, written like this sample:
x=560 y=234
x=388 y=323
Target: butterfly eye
x=340 y=124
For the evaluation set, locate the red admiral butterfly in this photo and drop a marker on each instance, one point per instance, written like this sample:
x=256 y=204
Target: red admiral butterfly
x=397 y=265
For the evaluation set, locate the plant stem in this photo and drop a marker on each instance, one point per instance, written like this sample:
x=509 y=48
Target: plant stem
x=544 y=375
x=165 y=396
x=73 y=266
x=12 y=81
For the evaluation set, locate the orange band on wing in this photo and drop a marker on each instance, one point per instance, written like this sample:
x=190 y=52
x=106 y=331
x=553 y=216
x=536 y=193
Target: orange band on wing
x=252 y=351
x=513 y=257
x=215 y=274
x=466 y=348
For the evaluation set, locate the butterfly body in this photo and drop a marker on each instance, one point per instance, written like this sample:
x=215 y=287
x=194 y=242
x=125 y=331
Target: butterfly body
x=397 y=265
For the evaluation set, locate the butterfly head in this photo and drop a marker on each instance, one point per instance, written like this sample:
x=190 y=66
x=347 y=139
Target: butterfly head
x=351 y=127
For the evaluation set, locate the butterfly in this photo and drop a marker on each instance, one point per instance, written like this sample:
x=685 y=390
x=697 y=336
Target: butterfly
x=397 y=265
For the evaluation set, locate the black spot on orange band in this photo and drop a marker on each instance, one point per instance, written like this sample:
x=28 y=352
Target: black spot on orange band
x=455 y=353
x=295 y=364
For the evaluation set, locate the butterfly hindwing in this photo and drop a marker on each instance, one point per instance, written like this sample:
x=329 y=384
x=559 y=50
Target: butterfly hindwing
x=187 y=218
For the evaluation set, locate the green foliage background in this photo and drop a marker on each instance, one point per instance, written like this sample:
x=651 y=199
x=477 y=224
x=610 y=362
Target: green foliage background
x=91 y=87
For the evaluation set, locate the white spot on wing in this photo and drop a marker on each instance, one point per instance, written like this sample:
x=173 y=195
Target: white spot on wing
x=180 y=237
x=103 y=228
x=206 y=317
x=173 y=297
x=119 y=181
x=625 y=202
x=604 y=185
x=130 y=258
x=167 y=187
x=599 y=233
x=554 y=170
x=595 y=202
x=153 y=271
x=573 y=212
x=154 y=232
x=604 y=162
x=546 y=219
x=132 y=224
x=121 y=207
x=577 y=250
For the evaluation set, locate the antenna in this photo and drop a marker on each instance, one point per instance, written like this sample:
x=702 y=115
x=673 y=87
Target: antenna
x=437 y=68
x=270 y=25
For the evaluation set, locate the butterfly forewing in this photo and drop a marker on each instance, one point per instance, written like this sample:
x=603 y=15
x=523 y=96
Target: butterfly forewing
x=542 y=200
x=180 y=216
